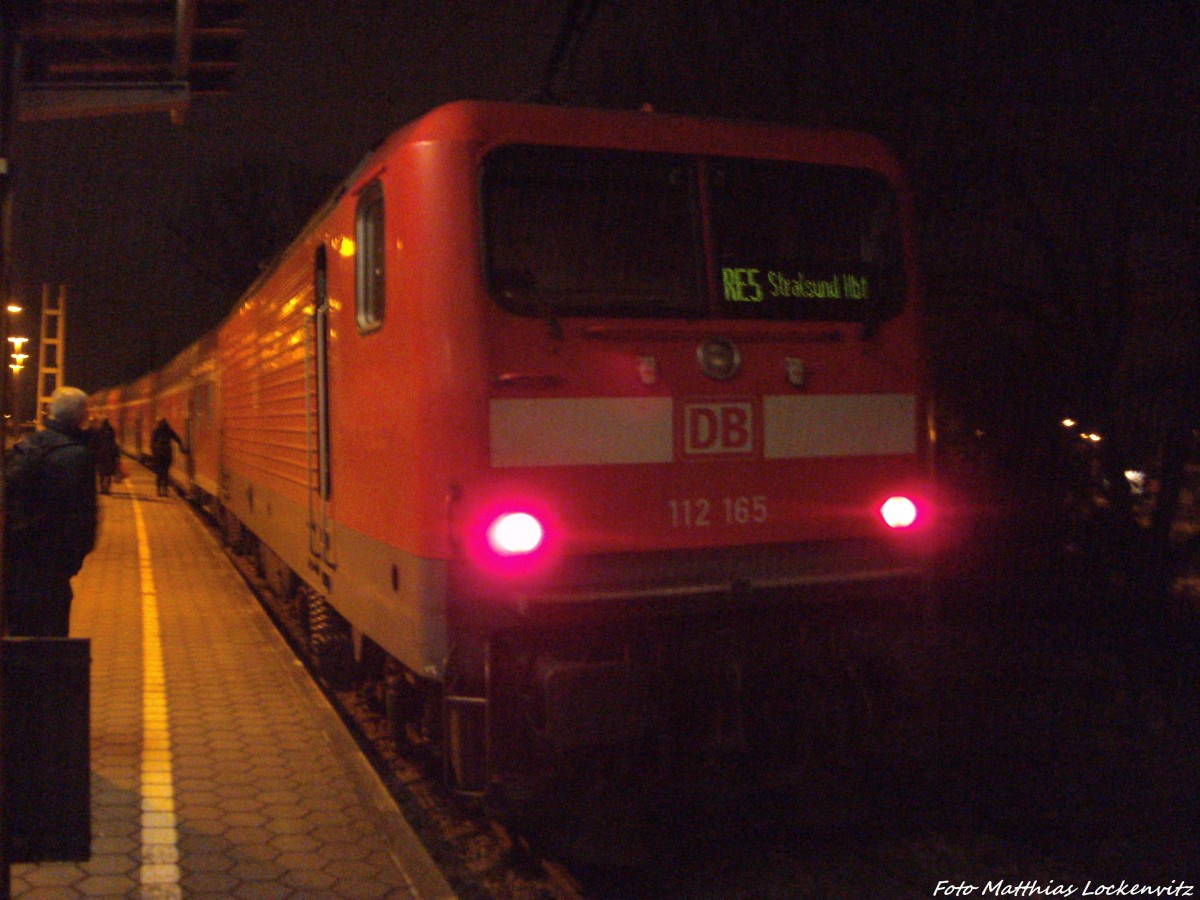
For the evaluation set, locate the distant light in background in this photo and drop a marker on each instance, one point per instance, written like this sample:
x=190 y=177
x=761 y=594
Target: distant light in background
x=18 y=355
x=18 y=349
x=1068 y=423
x=1137 y=481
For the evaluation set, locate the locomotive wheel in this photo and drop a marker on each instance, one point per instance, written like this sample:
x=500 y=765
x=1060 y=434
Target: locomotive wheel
x=465 y=717
x=466 y=755
x=412 y=707
x=399 y=708
x=329 y=645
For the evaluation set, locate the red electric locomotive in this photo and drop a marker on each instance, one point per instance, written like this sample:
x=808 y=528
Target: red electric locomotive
x=573 y=425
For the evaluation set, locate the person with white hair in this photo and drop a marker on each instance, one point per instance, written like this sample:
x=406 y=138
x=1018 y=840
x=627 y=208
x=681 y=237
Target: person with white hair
x=50 y=518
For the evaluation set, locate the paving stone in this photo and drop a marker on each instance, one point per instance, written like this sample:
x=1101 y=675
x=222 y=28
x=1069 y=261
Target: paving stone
x=107 y=886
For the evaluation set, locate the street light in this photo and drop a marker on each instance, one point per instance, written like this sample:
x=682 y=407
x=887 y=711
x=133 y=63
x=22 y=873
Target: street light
x=17 y=355
x=8 y=393
x=18 y=344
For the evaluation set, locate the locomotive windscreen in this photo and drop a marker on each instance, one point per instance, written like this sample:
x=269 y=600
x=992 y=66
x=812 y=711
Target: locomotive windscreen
x=583 y=232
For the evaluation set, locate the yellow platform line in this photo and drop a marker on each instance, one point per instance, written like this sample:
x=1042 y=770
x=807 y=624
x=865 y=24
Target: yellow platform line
x=158 y=873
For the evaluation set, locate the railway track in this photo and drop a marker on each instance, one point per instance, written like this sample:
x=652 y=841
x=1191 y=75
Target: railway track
x=977 y=816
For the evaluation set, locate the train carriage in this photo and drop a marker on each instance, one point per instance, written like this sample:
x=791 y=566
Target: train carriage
x=128 y=409
x=199 y=467
x=544 y=397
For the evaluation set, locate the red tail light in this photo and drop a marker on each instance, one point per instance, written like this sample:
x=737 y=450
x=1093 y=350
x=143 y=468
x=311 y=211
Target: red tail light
x=515 y=534
x=899 y=512
x=513 y=539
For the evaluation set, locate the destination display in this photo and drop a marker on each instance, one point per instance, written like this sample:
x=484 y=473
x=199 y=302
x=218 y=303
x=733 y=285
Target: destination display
x=789 y=291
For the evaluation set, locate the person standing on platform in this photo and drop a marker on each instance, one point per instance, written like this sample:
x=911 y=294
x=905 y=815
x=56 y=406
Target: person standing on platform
x=50 y=523
x=104 y=445
x=161 y=455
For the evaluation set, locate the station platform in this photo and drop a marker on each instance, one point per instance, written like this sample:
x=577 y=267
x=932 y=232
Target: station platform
x=218 y=769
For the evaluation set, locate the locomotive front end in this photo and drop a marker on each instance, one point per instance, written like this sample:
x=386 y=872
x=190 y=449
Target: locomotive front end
x=707 y=434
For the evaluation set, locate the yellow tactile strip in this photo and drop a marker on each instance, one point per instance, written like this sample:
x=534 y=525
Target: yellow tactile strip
x=159 y=868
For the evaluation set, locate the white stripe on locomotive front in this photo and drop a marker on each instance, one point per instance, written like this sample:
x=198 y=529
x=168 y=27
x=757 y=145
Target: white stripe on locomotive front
x=839 y=425
x=582 y=431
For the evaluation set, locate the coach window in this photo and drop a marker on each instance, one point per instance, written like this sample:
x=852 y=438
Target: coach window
x=369 y=275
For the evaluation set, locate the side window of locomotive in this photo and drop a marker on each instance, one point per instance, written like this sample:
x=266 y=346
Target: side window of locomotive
x=369 y=263
x=805 y=242
x=577 y=232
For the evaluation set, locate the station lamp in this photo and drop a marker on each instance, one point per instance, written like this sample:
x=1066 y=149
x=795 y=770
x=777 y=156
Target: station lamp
x=18 y=354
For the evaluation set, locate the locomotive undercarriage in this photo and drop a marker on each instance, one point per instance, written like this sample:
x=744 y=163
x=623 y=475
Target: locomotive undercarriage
x=768 y=691
x=748 y=687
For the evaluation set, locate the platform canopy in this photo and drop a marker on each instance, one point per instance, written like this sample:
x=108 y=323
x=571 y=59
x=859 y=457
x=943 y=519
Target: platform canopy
x=107 y=57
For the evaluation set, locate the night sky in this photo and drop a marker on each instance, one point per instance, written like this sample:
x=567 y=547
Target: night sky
x=115 y=207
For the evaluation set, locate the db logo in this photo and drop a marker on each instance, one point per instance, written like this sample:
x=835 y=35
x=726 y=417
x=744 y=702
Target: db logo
x=718 y=428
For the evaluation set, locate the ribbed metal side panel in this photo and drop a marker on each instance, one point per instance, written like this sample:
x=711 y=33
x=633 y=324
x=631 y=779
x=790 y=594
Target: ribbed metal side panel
x=263 y=358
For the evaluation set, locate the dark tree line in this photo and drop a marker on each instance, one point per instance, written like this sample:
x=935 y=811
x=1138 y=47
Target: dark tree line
x=1064 y=283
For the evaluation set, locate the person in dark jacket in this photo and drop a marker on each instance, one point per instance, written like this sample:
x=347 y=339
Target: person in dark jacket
x=161 y=454
x=50 y=518
x=104 y=445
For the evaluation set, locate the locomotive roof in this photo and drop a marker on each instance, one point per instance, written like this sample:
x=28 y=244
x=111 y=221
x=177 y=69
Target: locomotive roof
x=488 y=124
x=492 y=123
